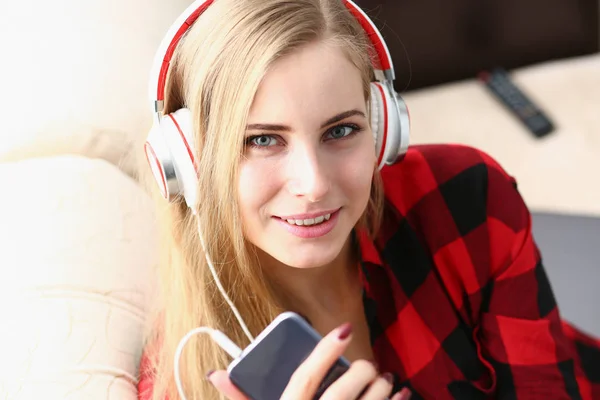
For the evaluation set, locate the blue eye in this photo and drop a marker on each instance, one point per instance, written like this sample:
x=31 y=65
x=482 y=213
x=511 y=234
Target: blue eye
x=342 y=131
x=261 y=141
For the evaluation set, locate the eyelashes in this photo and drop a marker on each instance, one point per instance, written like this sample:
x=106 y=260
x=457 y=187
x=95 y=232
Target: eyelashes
x=265 y=141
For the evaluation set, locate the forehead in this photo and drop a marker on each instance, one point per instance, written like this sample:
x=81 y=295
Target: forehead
x=310 y=84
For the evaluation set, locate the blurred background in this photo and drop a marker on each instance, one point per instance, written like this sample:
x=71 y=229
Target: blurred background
x=434 y=41
x=78 y=243
x=550 y=49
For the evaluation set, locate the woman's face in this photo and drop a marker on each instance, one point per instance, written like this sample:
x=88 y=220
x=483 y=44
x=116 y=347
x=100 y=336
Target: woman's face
x=309 y=159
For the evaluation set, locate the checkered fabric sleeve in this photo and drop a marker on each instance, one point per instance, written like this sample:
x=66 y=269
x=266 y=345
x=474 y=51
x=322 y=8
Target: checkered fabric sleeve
x=457 y=228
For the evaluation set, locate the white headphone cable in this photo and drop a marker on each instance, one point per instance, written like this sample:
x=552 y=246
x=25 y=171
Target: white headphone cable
x=219 y=337
x=218 y=281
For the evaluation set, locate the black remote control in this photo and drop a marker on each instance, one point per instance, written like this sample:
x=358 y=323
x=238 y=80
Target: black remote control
x=499 y=83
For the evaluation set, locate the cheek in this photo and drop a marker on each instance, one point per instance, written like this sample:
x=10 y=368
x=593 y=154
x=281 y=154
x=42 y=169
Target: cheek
x=255 y=188
x=357 y=175
x=360 y=180
x=366 y=166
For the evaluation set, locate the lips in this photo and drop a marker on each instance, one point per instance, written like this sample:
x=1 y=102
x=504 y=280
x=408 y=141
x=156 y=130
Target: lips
x=309 y=221
x=311 y=215
x=309 y=228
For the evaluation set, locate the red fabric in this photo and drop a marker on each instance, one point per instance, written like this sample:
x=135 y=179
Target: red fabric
x=456 y=296
x=146 y=382
x=455 y=293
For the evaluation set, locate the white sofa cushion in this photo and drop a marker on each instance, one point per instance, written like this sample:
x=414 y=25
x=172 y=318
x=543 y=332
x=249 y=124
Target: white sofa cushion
x=78 y=253
x=76 y=73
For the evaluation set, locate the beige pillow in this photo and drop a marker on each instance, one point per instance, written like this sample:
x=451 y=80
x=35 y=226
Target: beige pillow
x=78 y=253
x=75 y=75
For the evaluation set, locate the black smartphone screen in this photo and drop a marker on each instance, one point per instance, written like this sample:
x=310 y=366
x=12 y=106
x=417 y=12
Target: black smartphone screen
x=266 y=366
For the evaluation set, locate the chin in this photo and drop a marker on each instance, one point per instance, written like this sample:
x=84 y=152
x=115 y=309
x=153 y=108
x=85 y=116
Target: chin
x=309 y=255
x=306 y=262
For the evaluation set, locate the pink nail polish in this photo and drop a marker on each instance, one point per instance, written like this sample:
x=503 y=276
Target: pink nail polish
x=344 y=331
x=404 y=394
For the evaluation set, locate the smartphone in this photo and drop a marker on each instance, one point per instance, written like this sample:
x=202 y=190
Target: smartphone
x=265 y=367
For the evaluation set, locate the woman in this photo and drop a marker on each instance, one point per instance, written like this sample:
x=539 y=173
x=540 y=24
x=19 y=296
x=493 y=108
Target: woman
x=431 y=261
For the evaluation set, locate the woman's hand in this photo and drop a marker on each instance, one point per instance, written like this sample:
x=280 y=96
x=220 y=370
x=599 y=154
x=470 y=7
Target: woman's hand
x=360 y=381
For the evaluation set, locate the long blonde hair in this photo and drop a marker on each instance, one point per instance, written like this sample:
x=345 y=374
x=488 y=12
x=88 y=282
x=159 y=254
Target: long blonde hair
x=215 y=72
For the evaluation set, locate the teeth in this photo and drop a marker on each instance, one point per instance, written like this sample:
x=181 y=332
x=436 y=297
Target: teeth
x=310 y=221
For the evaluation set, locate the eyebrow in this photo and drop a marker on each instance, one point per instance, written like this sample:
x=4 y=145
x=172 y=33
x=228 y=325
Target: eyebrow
x=285 y=128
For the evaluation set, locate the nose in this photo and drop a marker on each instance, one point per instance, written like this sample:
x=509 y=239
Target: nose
x=307 y=173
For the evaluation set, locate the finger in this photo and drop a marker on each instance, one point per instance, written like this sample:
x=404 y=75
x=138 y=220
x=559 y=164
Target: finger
x=381 y=388
x=404 y=394
x=308 y=376
x=221 y=381
x=354 y=381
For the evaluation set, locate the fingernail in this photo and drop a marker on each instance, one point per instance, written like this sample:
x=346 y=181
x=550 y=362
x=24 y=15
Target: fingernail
x=344 y=331
x=209 y=373
x=388 y=377
x=404 y=394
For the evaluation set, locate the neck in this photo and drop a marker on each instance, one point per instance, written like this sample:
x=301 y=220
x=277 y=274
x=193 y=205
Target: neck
x=320 y=290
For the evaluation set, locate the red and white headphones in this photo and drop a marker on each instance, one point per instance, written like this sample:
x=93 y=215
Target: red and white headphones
x=169 y=146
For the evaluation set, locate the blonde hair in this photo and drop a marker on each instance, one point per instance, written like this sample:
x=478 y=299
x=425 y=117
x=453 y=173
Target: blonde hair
x=215 y=72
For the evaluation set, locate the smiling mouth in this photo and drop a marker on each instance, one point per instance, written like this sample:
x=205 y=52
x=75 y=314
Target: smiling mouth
x=309 y=221
x=319 y=225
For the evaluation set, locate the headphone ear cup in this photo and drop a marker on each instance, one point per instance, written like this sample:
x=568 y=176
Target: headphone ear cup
x=159 y=158
x=378 y=120
x=403 y=127
x=390 y=124
x=171 y=153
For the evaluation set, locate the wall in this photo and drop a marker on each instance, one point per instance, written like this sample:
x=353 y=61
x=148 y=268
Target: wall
x=436 y=41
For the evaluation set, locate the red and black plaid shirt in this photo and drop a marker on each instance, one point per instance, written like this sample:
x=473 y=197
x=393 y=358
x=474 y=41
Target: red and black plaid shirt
x=457 y=300
x=456 y=297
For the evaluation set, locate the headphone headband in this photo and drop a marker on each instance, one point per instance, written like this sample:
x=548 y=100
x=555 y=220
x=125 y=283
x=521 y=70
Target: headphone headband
x=381 y=60
x=169 y=145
